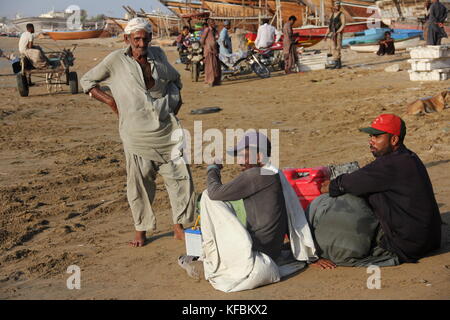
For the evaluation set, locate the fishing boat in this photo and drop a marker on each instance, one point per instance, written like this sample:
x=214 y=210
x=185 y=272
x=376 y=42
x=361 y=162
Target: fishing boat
x=400 y=45
x=302 y=41
x=322 y=30
x=75 y=35
x=376 y=34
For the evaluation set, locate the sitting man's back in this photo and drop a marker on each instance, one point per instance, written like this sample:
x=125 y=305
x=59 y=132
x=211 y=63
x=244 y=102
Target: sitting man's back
x=264 y=205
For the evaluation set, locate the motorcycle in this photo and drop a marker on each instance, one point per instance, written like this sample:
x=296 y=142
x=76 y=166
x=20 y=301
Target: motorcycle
x=272 y=57
x=243 y=63
x=195 y=58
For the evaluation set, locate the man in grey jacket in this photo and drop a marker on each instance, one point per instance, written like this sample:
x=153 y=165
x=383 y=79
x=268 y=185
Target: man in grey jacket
x=146 y=97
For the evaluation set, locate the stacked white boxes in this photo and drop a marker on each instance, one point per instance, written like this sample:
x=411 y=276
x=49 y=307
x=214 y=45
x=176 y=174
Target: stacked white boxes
x=430 y=63
x=311 y=61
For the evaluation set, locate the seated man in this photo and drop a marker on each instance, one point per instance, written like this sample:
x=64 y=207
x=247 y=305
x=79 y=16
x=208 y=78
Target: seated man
x=182 y=38
x=386 y=45
x=398 y=190
x=266 y=35
x=245 y=251
x=32 y=52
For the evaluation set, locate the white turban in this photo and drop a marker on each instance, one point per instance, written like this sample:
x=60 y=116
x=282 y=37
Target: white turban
x=136 y=24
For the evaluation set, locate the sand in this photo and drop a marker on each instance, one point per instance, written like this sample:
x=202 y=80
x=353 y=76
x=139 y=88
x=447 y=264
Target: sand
x=63 y=182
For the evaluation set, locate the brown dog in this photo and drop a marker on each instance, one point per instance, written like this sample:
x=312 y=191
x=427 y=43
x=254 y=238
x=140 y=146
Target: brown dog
x=427 y=105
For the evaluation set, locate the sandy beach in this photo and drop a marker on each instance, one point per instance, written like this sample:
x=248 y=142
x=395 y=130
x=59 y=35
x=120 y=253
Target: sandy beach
x=63 y=180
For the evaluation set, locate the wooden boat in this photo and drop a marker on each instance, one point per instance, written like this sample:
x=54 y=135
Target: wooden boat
x=302 y=41
x=322 y=30
x=75 y=35
x=376 y=34
x=400 y=45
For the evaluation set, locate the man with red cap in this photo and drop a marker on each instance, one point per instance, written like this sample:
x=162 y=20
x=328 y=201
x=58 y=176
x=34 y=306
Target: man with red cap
x=398 y=189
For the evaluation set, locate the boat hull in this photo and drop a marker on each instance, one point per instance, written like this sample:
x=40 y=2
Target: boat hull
x=400 y=45
x=377 y=34
x=321 y=31
x=74 y=35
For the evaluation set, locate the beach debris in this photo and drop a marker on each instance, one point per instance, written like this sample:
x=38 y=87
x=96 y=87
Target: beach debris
x=423 y=281
x=393 y=68
x=206 y=110
x=43 y=172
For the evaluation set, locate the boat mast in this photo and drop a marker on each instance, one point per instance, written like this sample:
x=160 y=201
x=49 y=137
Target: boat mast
x=322 y=12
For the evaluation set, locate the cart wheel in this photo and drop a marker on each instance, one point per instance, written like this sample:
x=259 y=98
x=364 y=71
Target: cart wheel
x=22 y=85
x=67 y=78
x=73 y=82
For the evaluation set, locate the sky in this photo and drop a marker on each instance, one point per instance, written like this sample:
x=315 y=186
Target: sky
x=112 y=8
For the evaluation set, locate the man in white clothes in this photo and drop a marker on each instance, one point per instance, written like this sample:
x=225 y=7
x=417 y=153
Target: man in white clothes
x=32 y=52
x=266 y=35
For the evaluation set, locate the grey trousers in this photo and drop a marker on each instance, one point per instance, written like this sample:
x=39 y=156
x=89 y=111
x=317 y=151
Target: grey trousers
x=141 y=188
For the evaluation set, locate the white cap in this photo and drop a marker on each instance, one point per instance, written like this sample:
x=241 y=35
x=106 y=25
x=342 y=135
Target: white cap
x=136 y=24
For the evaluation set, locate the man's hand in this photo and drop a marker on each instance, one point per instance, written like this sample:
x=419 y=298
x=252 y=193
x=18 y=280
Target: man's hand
x=325 y=186
x=101 y=96
x=324 y=264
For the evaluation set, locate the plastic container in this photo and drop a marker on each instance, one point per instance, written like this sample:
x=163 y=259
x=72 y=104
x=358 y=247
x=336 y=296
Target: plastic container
x=307 y=182
x=193 y=239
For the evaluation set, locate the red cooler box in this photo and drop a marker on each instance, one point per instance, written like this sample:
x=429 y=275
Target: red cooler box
x=307 y=182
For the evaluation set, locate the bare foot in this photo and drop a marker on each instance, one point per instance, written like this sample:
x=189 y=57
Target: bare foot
x=178 y=232
x=139 y=239
x=324 y=264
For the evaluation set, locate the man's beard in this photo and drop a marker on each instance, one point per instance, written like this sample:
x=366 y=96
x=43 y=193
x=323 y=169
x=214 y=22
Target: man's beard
x=380 y=153
x=140 y=51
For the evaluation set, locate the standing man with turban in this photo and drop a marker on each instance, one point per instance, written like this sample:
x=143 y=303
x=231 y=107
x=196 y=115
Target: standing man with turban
x=211 y=52
x=146 y=97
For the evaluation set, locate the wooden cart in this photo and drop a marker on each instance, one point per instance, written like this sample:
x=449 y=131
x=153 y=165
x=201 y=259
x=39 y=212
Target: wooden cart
x=55 y=76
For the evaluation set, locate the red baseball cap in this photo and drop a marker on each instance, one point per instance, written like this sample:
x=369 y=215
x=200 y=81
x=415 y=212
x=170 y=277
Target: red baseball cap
x=386 y=123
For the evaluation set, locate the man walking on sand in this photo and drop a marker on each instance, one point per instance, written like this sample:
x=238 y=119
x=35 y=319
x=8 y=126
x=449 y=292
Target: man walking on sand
x=146 y=97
